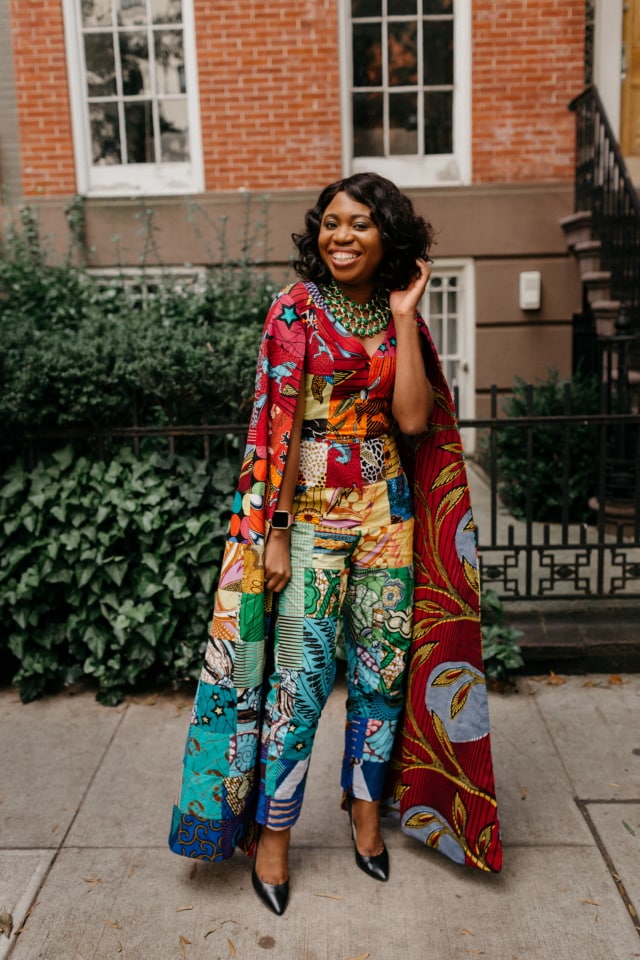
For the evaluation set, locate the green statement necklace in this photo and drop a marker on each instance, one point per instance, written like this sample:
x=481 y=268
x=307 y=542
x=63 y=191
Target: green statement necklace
x=360 y=319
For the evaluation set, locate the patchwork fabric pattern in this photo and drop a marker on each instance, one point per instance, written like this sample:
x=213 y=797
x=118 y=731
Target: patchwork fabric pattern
x=440 y=779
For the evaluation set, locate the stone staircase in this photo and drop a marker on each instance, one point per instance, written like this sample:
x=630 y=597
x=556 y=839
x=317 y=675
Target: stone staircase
x=596 y=282
x=597 y=287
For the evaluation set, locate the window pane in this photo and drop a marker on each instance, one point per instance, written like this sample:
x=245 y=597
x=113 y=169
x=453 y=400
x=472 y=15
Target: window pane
x=101 y=70
x=403 y=54
x=139 y=126
x=438 y=52
x=438 y=134
x=134 y=60
x=96 y=13
x=368 y=136
x=366 y=8
x=403 y=122
x=398 y=8
x=166 y=11
x=437 y=6
x=105 y=134
x=170 y=62
x=131 y=13
x=367 y=54
x=452 y=326
x=174 y=131
x=435 y=329
x=435 y=308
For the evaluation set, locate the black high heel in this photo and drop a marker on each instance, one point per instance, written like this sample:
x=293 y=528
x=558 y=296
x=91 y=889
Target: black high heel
x=376 y=867
x=275 y=896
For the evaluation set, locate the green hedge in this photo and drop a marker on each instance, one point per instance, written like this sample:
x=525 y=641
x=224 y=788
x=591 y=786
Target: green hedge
x=107 y=569
x=79 y=352
x=543 y=474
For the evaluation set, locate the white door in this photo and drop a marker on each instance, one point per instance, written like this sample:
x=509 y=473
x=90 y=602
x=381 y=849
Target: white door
x=449 y=310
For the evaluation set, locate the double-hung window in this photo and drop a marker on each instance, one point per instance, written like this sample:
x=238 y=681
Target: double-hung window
x=134 y=96
x=407 y=100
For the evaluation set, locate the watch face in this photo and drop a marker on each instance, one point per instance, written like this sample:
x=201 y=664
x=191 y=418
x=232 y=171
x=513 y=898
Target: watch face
x=281 y=520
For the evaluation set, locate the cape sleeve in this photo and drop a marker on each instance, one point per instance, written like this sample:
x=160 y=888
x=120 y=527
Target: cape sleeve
x=278 y=378
x=441 y=777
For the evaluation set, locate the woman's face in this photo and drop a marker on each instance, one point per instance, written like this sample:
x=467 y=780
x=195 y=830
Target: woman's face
x=350 y=245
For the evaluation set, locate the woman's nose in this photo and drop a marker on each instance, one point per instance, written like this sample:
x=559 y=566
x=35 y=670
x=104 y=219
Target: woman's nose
x=343 y=233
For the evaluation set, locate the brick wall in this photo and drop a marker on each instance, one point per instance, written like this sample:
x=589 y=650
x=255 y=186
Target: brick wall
x=42 y=97
x=528 y=63
x=270 y=101
x=269 y=93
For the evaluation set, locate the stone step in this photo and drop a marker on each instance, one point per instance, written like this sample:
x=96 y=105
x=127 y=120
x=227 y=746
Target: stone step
x=605 y=313
x=597 y=284
x=577 y=227
x=587 y=253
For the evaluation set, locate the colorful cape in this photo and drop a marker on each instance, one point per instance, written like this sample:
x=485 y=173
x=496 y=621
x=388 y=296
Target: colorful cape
x=440 y=779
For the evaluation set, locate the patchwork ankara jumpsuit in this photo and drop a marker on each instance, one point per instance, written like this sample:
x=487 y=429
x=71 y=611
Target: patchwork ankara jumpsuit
x=351 y=559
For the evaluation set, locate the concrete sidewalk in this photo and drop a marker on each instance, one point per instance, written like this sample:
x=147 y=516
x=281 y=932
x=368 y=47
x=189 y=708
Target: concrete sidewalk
x=85 y=802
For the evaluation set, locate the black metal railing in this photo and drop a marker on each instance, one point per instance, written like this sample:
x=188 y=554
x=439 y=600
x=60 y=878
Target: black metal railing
x=590 y=548
x=522 y=557
x=604 y=188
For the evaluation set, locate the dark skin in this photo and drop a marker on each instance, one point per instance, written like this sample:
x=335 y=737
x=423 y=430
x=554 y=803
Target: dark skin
x=350 y=244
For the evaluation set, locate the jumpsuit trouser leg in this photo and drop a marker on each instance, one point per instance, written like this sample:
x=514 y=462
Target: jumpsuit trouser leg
x=362 y=576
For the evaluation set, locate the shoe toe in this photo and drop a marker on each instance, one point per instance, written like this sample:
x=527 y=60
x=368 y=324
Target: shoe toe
x=275 y=896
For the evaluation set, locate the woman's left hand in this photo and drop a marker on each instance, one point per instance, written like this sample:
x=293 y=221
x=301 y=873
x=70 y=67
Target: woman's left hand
x=404 y=303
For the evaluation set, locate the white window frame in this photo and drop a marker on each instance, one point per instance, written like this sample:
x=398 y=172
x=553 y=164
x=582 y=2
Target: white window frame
x=444 y=170
x=607 y=57
x=135 y=179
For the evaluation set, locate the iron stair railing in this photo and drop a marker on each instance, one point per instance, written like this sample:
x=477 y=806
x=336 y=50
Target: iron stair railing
x=603 y=187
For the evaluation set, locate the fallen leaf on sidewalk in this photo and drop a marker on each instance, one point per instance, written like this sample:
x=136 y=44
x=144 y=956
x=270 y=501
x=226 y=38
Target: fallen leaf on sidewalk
x=617 y=681
x=93 y=881
x=629 y=828
x=361 y=956
x=113 y=924
x=523 y=793
x=329 y=896
x=467 y=933
x=182 y=909
x=554 y=680
x=232 y=948
x=183 y=945
x=594 y=903
x=6 y=923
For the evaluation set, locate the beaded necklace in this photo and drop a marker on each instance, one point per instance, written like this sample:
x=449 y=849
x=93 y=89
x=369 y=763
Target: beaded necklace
x=361 y=319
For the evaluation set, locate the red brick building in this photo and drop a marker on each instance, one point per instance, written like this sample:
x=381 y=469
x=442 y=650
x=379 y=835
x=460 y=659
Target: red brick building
x=195 y=110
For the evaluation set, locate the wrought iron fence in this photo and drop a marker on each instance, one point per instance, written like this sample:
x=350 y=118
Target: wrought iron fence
x=539 y=539
x=584 y=542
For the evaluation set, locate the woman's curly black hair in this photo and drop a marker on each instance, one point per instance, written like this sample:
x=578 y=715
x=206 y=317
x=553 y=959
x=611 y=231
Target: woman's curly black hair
x=406 y=236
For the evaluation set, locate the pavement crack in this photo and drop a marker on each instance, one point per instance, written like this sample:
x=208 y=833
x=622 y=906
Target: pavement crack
x=611 y=867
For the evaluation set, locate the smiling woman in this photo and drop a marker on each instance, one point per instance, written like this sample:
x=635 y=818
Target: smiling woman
x=323 y=521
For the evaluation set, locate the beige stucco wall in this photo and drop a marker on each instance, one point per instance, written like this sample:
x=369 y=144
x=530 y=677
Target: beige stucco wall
x=503 y=229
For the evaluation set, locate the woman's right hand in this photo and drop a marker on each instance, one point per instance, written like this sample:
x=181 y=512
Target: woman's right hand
x=277 y=560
